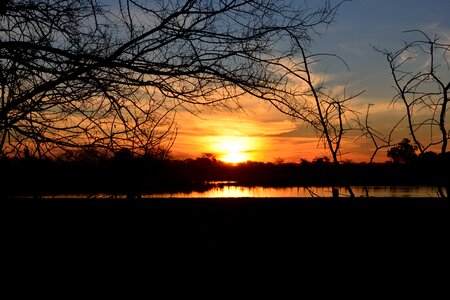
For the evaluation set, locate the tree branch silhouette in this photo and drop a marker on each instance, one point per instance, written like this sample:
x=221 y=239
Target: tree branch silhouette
x=419 y=70
x=78 y=73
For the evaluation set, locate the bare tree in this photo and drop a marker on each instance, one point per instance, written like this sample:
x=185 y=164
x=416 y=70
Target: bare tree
x=75 y=73
x=420 y=71
x=57 y=90
x=310 y=101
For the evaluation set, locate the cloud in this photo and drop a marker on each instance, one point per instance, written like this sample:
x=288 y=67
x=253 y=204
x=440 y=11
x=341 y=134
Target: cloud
x=354 y=48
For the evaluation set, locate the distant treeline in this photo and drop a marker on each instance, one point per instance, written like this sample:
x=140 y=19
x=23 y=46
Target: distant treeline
x=124 y=174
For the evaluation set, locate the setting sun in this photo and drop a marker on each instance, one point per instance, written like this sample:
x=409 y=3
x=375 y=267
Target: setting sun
x=234 y=157
x=233 y=149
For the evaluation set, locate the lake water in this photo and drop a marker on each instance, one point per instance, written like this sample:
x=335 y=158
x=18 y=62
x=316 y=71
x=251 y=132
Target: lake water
x=221 y=190
x=230 y=191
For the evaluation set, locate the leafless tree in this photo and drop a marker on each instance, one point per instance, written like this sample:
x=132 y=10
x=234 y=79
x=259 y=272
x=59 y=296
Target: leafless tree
x=420 y=71
x=310 y=101
x=75 y=73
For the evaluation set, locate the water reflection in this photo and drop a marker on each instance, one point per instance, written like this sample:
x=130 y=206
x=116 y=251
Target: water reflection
x=232 y=191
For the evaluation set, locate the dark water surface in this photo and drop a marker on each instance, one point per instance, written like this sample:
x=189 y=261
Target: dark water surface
x=233 y=191
x=226 y=190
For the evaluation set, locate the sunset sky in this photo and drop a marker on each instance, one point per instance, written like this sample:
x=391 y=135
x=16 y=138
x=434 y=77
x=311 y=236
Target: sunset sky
x=260 y=133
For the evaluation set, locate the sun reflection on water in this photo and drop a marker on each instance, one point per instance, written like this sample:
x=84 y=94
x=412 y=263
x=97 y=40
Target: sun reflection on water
x=234 y=191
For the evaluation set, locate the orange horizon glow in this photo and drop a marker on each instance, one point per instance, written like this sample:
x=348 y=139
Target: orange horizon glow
x=233 y=149
x=260 y=134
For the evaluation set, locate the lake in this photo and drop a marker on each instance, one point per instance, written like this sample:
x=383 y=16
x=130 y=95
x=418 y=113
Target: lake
x=226 y=190
x=231 y=191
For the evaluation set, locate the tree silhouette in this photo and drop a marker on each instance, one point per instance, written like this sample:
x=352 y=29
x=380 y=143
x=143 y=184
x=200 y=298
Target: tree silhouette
x=315 y=104
x=403 y=153
x=83 y=73
x=420 y=71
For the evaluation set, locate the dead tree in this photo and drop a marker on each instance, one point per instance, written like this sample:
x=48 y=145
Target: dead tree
x=311 y=102
x=421 y=74
x=420 y=71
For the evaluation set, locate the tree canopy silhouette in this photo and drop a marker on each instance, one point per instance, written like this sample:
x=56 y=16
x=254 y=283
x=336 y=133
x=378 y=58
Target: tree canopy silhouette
x=404 y=152
x=84 y=73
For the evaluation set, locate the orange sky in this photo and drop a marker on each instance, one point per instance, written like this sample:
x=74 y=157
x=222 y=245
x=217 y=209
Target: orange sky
x=257 y=133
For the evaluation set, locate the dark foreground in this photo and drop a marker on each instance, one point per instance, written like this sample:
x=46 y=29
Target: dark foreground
x=240 y=223
x=320 y=237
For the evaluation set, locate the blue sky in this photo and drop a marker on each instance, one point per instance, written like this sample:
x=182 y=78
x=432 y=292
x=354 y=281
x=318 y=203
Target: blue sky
x=361 y=24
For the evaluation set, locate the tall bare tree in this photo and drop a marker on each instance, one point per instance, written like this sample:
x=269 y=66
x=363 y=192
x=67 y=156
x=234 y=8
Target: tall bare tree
x=313 y=103
x=76 y=73
x=421 y=74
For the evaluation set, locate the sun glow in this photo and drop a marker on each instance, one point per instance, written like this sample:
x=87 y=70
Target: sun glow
x=234 y=157
x=233 y=149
